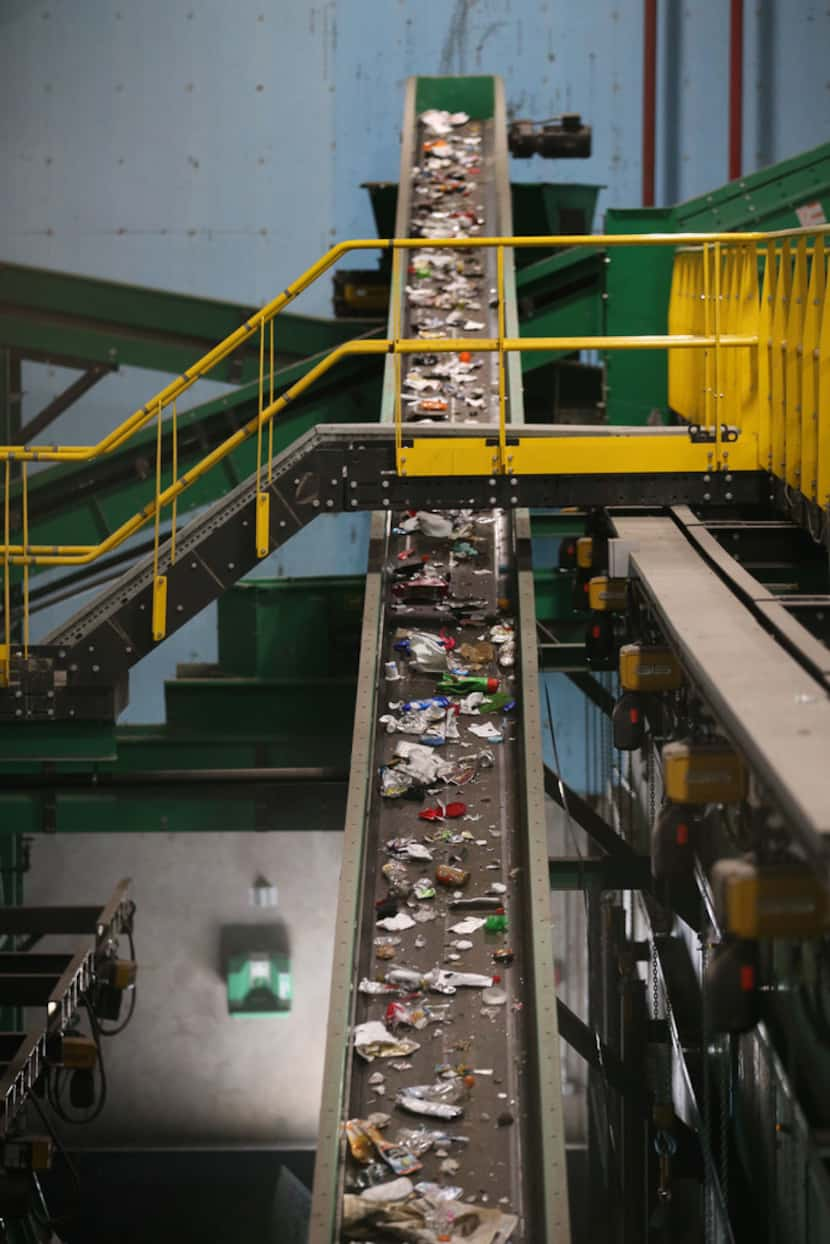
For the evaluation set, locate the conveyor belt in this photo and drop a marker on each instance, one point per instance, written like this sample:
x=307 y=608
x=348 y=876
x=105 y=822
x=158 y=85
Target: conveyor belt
x=511 y=1159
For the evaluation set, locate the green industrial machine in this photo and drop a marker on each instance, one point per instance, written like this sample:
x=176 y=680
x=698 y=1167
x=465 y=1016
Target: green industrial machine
x=259 y=983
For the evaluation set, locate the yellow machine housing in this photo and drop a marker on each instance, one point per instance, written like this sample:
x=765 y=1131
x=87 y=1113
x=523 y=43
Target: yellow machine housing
x=608 y=595
x=644 y=668
x=366 y=298
x=703 y=773
x=585 y=552
x=771 y=901
x=80 y=1053
x=27 y=1153
x=121 y=973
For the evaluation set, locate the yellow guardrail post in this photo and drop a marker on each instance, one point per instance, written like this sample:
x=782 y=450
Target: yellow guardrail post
x=263 y=499
x=765 y=348
x=747 y=324
x=504 y=466
x=823 y=405
x=778 y=407
x=271 y=402
x=24 y=498
x=7 y=621
x=396 y=293
x=707 y=330
x=810 y=373
x=174 y=505
x=682 y=367
x=793 y=364
x=718 y=368
x=159 y=606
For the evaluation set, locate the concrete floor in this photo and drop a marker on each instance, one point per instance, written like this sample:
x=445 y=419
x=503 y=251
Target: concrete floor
x=185 y=1073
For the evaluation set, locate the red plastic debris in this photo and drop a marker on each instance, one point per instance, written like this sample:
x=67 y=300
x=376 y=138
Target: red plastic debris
x=449 y=812
x=453 y=810
x=431 y=814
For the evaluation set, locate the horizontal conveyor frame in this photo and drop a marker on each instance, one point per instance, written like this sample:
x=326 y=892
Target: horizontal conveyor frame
x=774 y=712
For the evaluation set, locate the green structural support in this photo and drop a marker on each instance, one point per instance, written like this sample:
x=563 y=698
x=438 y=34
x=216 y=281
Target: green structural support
x=77 y=321
x=259 y=742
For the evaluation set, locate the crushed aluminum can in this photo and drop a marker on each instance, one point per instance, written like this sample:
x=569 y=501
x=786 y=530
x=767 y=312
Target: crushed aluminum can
x=448 y=875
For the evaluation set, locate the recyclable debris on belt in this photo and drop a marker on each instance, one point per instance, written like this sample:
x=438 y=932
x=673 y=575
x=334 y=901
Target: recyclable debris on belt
x=441 y=914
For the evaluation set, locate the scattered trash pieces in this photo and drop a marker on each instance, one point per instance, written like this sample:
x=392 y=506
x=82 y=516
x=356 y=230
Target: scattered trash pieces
x=440 y=1100
x=442 y=980
x=448 y=875
x=480 y=902
x=396 y=924
x=448 y=665
x=408 y=849
x=425 y=652
x=494 y=996
x=396 y=1190
x=439 y=122
x=470 y=925
x=476 y=656
x=487 y=731
x=397 y=878
x=449 y=811
x=372 y=1040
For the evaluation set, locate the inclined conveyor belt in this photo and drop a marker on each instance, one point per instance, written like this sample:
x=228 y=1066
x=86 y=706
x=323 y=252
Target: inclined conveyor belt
x=456 y=579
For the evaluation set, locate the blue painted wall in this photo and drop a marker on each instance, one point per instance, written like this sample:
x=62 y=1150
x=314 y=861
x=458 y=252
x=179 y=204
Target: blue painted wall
x=218 y=149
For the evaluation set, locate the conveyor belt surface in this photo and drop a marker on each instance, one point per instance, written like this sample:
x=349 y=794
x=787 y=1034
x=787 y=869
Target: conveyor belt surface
x=475 y=1041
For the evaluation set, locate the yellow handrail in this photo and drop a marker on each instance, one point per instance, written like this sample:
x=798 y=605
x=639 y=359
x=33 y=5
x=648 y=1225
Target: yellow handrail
x=139 y=419
x=710 y=270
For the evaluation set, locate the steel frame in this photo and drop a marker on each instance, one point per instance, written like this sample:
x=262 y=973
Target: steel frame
x=60 y=993
x=774 y=711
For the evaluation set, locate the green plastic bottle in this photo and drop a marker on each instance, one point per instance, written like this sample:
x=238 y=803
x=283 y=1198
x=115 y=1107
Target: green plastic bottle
x=495 y=924
x=463 y=684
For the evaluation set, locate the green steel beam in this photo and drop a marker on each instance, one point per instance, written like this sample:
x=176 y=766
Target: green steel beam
x=637 y=301
x=76 y=320
x=282 y=694
x=10 y=395
x=559 y=295
x=632 y=872
x=768 y=199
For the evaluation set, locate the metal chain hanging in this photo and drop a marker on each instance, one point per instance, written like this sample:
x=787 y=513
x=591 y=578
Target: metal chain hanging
x=706 y=1121
x=652 y=784
x=724 y=1111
